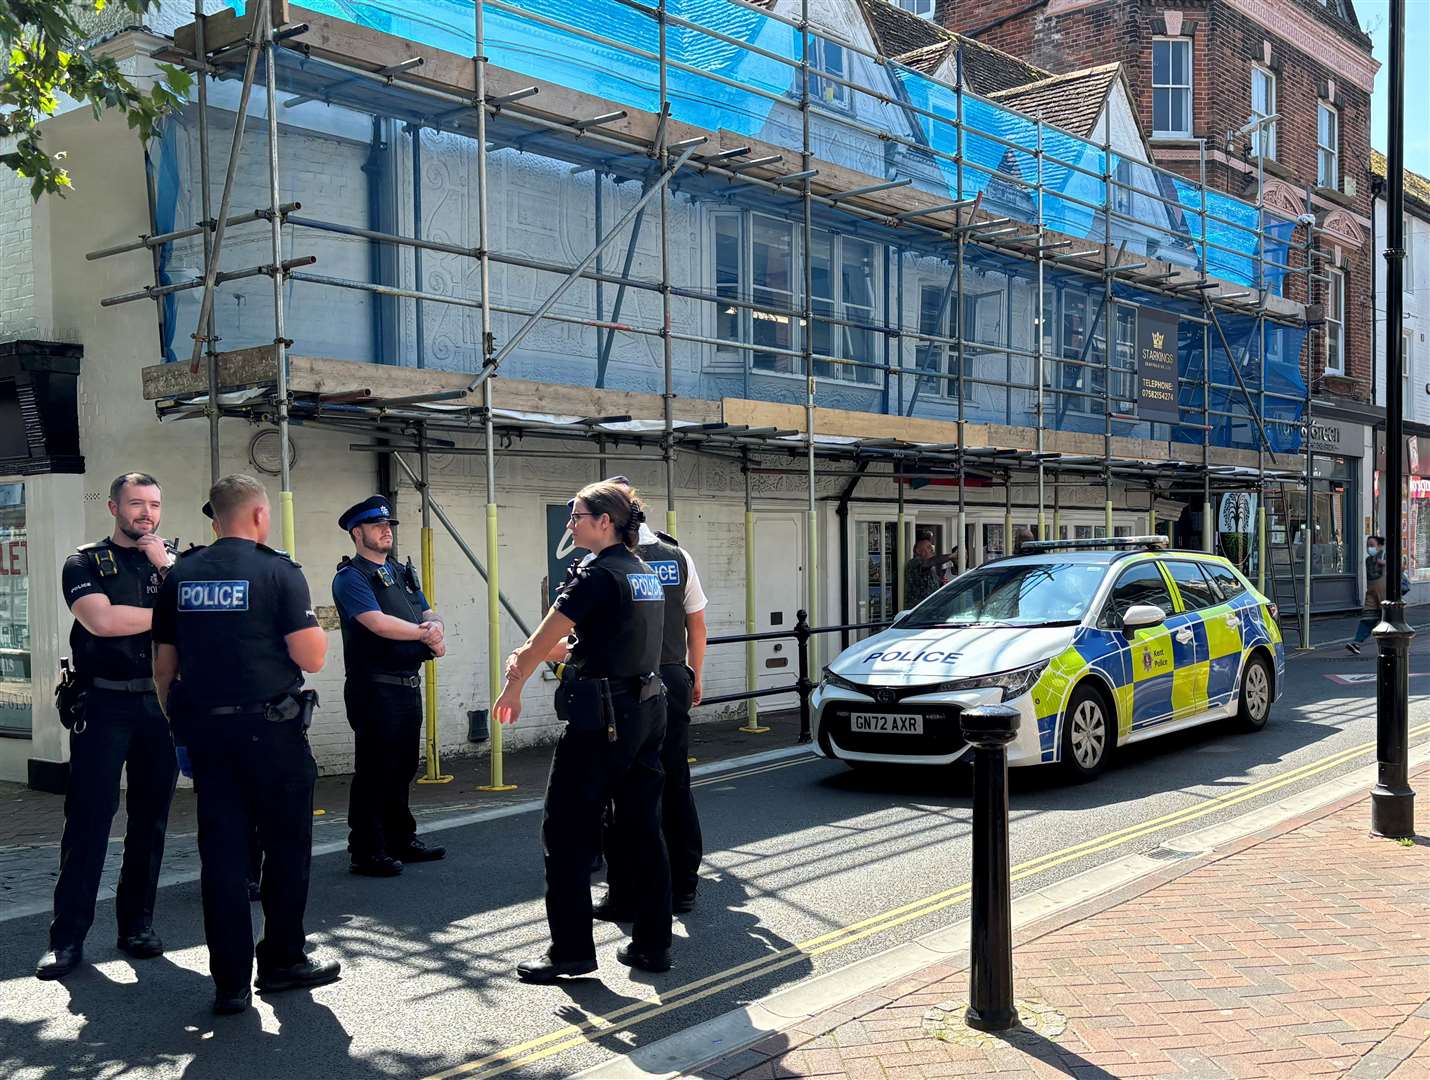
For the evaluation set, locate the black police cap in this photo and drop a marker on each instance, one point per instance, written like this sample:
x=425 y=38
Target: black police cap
x=366 y=512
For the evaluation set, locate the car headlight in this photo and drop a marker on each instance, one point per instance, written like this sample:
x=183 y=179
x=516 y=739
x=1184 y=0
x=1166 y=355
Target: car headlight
x=1013 y=683
x=843 y=683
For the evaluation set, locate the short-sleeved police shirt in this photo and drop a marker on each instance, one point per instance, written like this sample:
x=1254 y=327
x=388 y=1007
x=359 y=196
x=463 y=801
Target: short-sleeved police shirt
x=135 y=583
x=589 y=601
x=353 y=595
x=227 y=609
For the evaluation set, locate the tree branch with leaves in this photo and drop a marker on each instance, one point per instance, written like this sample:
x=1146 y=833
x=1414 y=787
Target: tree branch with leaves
x=45 y=60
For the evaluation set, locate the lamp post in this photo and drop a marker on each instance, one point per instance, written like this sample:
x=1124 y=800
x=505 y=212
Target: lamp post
x=1392 y=802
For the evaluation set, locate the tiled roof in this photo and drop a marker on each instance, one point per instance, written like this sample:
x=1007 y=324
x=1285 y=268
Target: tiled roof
x=915 y=41
x=1417 y=187
x=1072 y=102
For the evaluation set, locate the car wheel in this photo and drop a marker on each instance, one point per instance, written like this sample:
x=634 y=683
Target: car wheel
x=1088 y=733
x=1254 y=708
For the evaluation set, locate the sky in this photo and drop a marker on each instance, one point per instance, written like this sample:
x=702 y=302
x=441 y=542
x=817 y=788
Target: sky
x=1374 y=17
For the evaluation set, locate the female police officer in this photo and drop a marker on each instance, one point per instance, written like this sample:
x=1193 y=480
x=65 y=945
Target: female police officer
x=614 y=708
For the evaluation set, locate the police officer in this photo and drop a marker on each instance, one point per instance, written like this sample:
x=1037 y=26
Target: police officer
x=613 y=704
x=111 y=587
x=234 y=623
x=682 y=656
x=389 y=630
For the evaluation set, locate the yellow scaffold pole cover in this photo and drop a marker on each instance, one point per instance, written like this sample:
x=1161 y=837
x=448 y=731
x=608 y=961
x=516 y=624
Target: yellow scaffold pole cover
x=290 y=539
x=752 y=725
x=494 y=660
x=429 y=671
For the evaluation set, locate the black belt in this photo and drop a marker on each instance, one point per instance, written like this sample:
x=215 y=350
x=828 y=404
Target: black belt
x=128 y=686
x=412 y=681
x=237 y=710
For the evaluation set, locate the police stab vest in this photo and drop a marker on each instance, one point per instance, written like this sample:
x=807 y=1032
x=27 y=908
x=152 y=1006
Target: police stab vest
x=397 y=592
x=624 y=642
x=670 y=566
x=116 y=657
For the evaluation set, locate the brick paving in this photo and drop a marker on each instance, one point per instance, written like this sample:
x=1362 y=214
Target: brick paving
x=1303 y=951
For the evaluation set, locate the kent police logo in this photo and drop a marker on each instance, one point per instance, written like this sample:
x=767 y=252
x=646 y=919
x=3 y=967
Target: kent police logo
x=645 y=587
x=668 y=570
x=1147 y=660
x=213 y=596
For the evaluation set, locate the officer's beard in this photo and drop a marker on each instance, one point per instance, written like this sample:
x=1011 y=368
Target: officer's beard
x=129 y=529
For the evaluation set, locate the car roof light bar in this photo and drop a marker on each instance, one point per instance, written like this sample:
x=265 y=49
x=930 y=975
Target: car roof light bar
x=1033 y=547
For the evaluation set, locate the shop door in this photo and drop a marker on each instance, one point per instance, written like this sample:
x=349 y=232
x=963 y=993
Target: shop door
x=779 y=594
x=876 y=569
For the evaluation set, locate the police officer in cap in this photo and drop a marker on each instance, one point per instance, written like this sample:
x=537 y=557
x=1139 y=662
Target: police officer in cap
x=682 y=656
x=235 y=624
x=613 y=703
x=111 y=586
x=389 y=630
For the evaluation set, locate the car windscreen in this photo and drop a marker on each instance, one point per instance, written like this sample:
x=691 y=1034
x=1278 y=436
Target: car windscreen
x=1030 y=594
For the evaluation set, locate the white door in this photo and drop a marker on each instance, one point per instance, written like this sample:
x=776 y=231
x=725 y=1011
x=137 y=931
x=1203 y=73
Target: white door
x=779 y=594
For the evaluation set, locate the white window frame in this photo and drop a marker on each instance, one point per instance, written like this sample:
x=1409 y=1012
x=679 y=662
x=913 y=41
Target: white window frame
x=1187 y=88
x=827 y=92
x=1408 y=263
x=1328 y=151
x=744 y=355
x=924 y=9
x=1270 y=108
x=1336 y=318
x=1407 y=354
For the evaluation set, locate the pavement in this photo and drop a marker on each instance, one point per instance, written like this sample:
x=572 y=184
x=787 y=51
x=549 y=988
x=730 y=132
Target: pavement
x=1300 y=950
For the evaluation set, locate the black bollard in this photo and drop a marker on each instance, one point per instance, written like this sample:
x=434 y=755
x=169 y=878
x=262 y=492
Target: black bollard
x=805 y=685
x=990 y=728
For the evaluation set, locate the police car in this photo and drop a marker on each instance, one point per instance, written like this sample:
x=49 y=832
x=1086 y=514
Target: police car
x=1097 y=644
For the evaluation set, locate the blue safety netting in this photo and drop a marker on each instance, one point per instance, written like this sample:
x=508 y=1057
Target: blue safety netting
x=735 y=75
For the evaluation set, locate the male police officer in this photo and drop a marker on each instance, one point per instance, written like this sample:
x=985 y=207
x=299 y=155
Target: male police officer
x=235 y=624
x=389 y=630
x=111 y=586
x=682 y=657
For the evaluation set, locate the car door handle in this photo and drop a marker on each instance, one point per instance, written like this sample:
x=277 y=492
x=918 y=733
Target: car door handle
x=1233 y=621
x=1185 y=635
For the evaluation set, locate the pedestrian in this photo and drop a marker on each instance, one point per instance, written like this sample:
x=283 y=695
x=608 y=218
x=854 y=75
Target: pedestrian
x=613 y=705
x=235 y=623
x=115 y=724
x=1374 y=591
x=1021 y=535
x=682 y=658
x=389 y=631
x=924 y=571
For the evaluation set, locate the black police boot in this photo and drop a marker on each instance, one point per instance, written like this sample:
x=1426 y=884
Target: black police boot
x=307 y=973
x=656 y=960
x=609 y=912
x=375 y=866
x=141 y=944
x=546 y=970
x=59 y=962
x=229 y=1004
x=417 y=851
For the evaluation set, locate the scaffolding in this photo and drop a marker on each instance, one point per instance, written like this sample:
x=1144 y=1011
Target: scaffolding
x=985 y=183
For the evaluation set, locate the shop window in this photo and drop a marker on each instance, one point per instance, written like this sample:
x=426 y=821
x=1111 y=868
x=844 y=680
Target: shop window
x=15 y=691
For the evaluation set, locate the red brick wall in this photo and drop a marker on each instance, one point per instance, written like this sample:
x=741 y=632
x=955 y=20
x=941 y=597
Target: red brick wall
x=1225 y=46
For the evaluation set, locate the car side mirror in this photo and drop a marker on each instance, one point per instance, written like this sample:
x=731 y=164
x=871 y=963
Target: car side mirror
x=1140 y=616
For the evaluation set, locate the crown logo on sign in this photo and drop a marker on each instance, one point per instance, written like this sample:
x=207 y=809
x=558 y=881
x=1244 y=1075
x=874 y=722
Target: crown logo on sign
x=1157 y=339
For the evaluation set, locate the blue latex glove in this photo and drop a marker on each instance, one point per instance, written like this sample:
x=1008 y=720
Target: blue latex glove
x=185 y=766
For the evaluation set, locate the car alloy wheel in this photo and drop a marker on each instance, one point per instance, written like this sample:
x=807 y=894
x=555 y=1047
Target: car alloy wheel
x=1254 y=708
x=1087 y=735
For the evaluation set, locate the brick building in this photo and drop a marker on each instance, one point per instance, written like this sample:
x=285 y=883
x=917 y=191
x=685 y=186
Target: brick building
x=1200 y=69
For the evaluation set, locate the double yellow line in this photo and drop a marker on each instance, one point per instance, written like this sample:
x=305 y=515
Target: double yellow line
x=638 y=1012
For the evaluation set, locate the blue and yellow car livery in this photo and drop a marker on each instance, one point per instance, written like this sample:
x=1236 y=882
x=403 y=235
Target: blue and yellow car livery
x=1186 y=670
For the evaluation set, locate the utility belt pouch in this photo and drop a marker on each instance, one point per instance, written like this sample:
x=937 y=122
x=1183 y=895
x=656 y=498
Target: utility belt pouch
x=69 y=698
x=578 y=704
x=283 y=708
x=651 y=686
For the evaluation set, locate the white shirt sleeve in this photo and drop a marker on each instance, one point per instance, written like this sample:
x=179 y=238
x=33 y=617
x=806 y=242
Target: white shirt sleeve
x=695 y=599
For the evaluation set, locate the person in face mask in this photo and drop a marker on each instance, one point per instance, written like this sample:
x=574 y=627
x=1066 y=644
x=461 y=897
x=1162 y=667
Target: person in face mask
x=1374 y=591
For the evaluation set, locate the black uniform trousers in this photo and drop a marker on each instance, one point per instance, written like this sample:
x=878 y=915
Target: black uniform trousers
x=252 y=773
x=680 y=822
x=120 y=730
x=587 y=770
x=387 y=727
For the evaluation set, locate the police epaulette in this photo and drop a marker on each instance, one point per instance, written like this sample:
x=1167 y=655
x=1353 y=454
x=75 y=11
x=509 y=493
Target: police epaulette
x=278 y=551
x=345 y=562
x=190 y=550
x=90 y=547
x=667 y=538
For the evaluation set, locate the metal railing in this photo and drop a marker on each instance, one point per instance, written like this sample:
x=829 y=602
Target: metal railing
x=801 y=632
